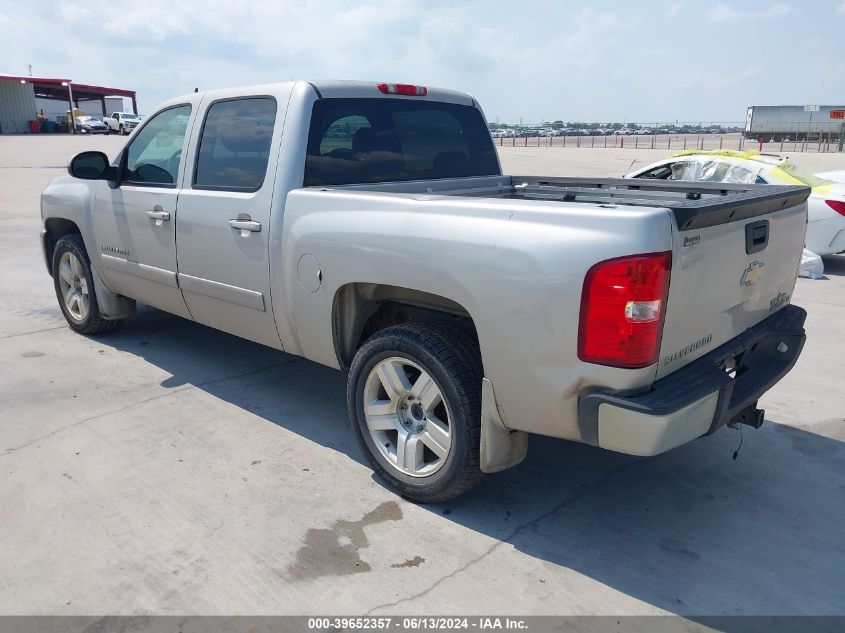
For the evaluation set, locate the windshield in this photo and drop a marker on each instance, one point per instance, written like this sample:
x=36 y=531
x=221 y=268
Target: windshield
x=132 y=117
x=388 y=140
x=793 y=174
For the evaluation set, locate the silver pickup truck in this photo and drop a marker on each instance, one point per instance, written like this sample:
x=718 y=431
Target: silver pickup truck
x=368 y=227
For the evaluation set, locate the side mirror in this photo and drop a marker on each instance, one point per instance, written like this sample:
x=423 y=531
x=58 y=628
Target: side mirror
x=89 y=166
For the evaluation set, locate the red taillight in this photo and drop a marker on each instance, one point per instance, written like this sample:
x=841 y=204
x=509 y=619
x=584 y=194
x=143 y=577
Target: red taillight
x=622 y=309
x=836 y=205
x=407 y=90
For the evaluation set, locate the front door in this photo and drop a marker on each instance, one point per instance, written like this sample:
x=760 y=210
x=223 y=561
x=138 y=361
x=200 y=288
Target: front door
x=223 y=223
x=134 y=223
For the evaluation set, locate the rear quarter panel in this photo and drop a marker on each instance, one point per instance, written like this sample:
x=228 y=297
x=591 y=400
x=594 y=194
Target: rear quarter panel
x=516 y=266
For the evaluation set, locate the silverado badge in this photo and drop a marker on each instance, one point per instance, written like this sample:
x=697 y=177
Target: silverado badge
x=752 y=273
x=778 y=301
x=114 y=249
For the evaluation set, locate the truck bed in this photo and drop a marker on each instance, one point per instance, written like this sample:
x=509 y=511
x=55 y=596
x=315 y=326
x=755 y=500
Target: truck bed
x=737 y=244
x=694 y=205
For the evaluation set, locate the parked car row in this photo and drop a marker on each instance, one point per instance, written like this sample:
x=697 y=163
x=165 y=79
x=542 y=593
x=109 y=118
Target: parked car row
x=608 y=131
x=120 y=122
x=522 y=133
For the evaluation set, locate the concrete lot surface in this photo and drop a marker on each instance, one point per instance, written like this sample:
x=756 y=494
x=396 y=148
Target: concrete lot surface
x=170 y=468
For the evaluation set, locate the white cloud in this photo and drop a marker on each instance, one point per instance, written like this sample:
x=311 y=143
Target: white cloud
x=749 y=73
x=140 y=30
x=778 y=10
x=593 y=61
x=726 y=13
x=74 y=13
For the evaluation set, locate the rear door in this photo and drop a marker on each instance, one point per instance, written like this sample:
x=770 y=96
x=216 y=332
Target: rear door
x=223 y=221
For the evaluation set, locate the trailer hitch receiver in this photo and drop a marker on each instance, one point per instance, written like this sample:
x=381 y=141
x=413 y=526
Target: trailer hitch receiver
x=750 y=415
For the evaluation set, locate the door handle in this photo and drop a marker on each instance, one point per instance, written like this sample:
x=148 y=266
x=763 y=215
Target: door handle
x=159 y=215
x=245 y=225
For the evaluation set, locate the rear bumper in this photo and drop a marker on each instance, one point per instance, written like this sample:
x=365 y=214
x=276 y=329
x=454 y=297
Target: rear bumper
x=699 y=398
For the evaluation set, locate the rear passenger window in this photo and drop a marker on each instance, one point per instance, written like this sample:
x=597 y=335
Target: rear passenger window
x=234 y=147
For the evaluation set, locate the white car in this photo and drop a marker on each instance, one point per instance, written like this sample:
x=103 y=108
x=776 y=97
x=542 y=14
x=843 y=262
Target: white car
x=826 y=205
x=836 y=176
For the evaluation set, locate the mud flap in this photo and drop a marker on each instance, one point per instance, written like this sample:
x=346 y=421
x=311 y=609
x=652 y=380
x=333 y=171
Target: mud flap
x=500 y=448
x=112 y=306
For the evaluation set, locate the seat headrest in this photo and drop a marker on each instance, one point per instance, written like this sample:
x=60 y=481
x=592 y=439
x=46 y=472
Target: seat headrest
x=448 y=164
x=369 y=139
x=244 y=135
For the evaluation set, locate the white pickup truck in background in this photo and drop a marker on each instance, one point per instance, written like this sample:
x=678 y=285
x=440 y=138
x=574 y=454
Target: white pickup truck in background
x=122 y=122
x=368 y=227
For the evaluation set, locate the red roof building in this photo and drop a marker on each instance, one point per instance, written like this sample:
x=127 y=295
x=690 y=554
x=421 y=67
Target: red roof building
x=18 y=94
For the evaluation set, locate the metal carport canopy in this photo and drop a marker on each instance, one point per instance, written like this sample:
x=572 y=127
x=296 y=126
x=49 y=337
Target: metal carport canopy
x=60 y=89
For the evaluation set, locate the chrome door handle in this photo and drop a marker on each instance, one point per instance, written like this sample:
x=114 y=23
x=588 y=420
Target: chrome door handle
x=250 y=226
x=159 y=215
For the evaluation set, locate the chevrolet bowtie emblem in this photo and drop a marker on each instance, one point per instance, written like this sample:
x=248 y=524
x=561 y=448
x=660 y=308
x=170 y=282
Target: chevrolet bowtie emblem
x=752 y=273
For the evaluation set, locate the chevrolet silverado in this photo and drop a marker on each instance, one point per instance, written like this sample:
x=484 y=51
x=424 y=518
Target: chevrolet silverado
x=368 y=227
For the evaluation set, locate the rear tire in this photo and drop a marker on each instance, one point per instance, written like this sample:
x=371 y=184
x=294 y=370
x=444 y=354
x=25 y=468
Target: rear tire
x=414 y=400
x=74 y=284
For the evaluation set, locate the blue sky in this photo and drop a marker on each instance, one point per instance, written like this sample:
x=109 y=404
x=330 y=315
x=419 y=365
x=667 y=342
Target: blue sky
x=652 y=60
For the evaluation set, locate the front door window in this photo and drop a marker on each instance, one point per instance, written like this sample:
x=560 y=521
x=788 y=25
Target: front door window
x=154 y=156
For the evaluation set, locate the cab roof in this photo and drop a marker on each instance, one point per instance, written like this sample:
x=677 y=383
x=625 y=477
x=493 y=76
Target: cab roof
x=335 y=88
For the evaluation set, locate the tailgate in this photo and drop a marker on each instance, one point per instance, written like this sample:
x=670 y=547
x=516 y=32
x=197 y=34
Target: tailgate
x=731 y=269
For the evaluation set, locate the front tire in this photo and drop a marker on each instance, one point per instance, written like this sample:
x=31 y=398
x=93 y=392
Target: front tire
x=414 y=401
x=74 y=284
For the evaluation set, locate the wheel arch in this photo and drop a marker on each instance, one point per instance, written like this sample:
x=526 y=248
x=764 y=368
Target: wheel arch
x=361 y=309
x=54 y=230
x=112 y=306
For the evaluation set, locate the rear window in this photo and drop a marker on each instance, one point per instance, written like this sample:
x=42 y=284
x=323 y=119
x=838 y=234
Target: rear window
x=387 y=140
